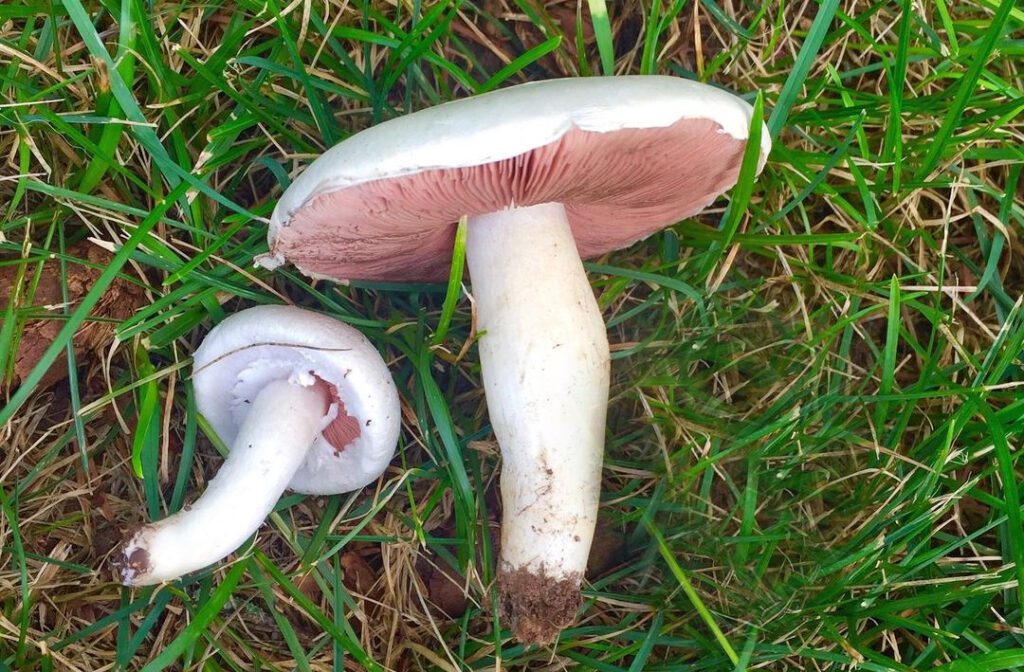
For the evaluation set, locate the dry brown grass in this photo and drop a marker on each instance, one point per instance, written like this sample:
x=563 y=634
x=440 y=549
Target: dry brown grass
x=758 y=356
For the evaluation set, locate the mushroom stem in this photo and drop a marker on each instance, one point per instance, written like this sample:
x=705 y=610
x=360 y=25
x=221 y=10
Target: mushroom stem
x=545 y=361
x=271 y=445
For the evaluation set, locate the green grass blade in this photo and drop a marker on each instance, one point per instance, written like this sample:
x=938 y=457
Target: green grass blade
x=451 y=297
x=603 y=32
x=171 y=171
x=966 y=88
x=19 y=557
x=684 y=583
x=76 y=400
x=892 y=340
x=201 y=620
x=92 y=297
x=520 y=63
x=147 y=407
x=441 y=417
x=892 y=152
x=188 y=447
x=156 y=611
x=111 y=134
x=804 y=60
x=1008 y=474
x=342 y=636
x=644 y=652
x=325 y=122
x=742 y=192
x=994 y=661
x=291 y=639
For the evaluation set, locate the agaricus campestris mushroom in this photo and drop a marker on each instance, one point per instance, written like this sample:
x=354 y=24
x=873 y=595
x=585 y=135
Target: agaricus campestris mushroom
x=304 y=402
x=548 y=173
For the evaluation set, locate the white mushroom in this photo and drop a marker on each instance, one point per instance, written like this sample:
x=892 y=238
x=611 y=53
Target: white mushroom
x=304 y=401
x=548 y=173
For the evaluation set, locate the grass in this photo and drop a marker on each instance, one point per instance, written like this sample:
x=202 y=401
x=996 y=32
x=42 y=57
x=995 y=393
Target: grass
x=814 y=442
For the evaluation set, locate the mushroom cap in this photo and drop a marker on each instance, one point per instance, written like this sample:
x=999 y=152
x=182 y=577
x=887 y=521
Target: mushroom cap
x=627 y=156
x=256 y=346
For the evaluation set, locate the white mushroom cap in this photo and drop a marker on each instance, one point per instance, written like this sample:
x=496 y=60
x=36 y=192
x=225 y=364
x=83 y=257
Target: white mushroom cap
x=303 y=401
x=248 y=350
x=508 y=122
x=627 y=156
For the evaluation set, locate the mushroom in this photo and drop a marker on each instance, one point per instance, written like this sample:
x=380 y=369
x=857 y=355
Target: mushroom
x=548 y=173
x=304 y=401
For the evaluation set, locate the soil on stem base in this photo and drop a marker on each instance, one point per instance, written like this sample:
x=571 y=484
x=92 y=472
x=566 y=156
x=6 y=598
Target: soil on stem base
x=127 y=568
x=536 y=606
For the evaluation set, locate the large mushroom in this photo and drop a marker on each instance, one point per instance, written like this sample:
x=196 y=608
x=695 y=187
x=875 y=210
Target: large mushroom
x=304 y=402
x=548 y=173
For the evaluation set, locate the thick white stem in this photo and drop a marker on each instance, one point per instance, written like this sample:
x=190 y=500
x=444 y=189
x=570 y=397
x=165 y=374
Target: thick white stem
x=545 y=362
x=270 y=446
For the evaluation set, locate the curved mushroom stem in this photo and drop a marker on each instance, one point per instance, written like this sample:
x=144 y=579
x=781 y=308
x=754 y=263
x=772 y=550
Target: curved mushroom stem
x=270 y=446
x=545 y=362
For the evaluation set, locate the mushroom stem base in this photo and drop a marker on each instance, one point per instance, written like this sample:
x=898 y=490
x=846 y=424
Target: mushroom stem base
x=536 y=605
x=271 y=444
x=545 y=362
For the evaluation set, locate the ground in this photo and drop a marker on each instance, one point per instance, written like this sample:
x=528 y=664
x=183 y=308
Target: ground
x=814 y=440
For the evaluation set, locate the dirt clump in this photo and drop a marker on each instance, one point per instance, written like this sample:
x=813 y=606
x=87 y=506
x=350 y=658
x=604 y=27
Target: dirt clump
x=536 y=605
x=445 y=586
x=44 y=309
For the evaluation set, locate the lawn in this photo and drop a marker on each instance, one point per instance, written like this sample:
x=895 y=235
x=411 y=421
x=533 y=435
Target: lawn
x=817 y=411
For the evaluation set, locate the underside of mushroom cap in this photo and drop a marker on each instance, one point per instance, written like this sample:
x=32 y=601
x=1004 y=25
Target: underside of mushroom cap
x=256 y=346
x=627 y=156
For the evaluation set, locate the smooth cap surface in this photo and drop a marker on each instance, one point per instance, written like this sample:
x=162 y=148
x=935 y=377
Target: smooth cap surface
x=251 y=348
x=625 y=155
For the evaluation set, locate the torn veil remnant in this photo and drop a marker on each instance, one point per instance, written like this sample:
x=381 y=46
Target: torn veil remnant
x=548 y=173
x=304 y=401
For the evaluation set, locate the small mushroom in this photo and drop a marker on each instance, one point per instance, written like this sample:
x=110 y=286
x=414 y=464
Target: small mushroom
x=304 y=401
x=549 y=173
